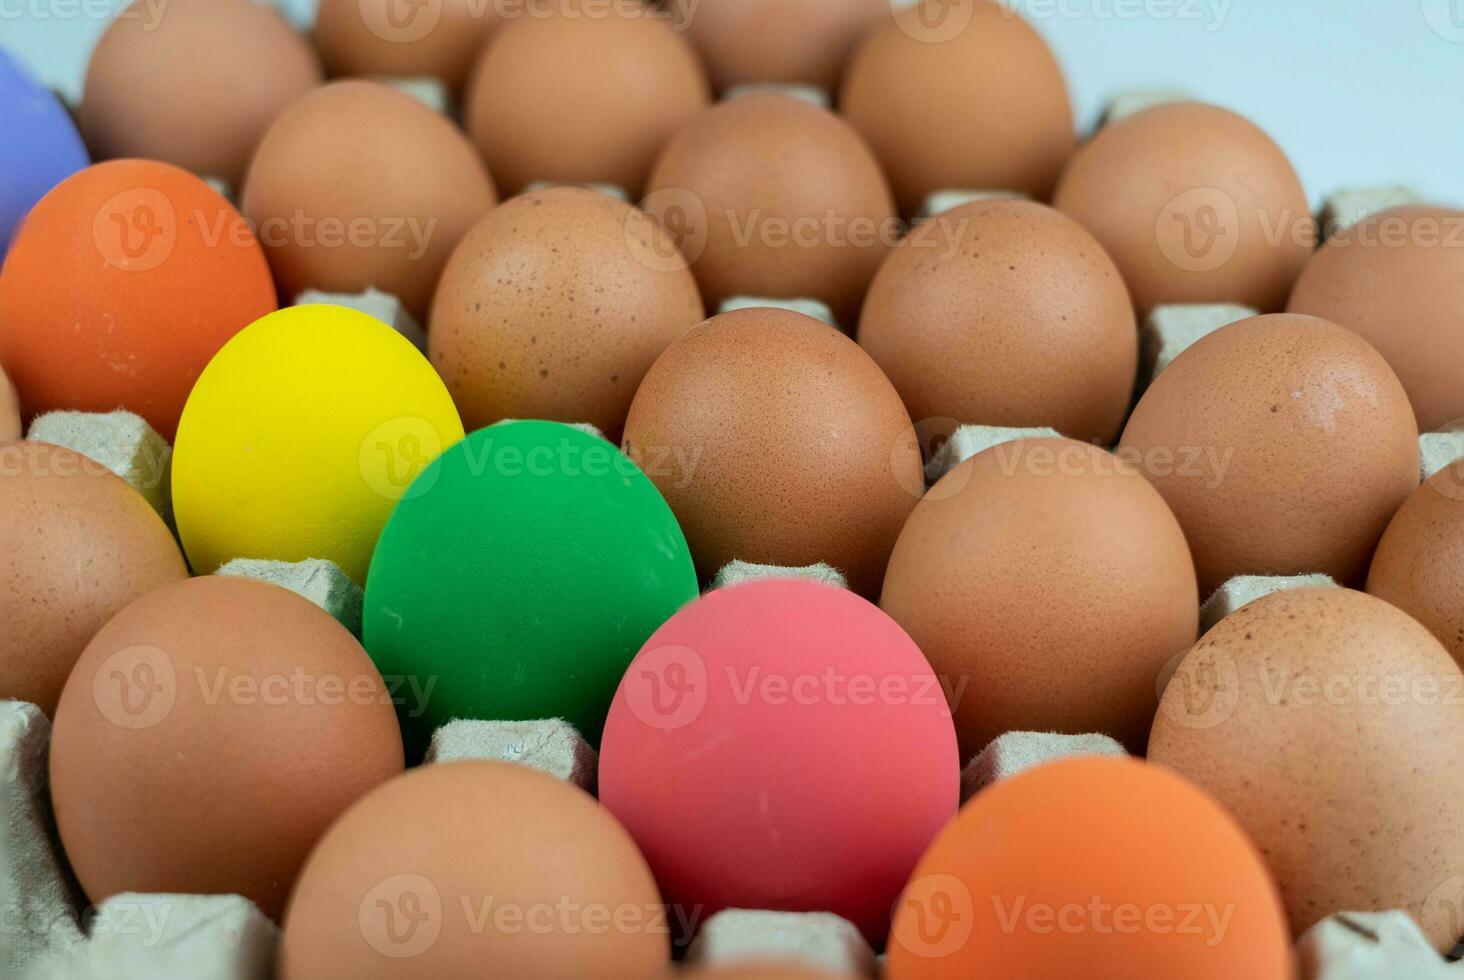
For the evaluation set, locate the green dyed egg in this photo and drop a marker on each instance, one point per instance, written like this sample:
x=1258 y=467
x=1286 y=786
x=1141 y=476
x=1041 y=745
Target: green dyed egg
x=517 y=577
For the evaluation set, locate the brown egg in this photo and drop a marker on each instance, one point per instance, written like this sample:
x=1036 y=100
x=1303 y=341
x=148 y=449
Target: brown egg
x=1397 y=278
x=468 y=869
x=1005 y=313
x=1282 y=443
x=772 y=197
x=554 y=307
x=193 y=83
x=209 y=735
x=359 y=185
x=1195 y=204
x=960 y=95
x=9 y=410
x=572 y=98
x=1331 y=726
x=433 y=39
x=1048 y=585
x=79 y=544
x=1419 y=563
x=776 y=440
x=791 y=42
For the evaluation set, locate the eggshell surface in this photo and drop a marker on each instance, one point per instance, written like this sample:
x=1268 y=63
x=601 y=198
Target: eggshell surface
x=475 y=869
x=554 y=307
x=301 y=436
x=959 y=96
x=1328 y=722
x=1104 y=869
x=1397 y=279
x=42 y=148
x=79 y=544
x=123 y=282
x=776 y=440
x=771 y=197
x=785 y=42
x=208 y=736
x=433 y=40
x=1283 y=444
x=518 y=576
x=1048 y=584
x=1005 y=313
x=1419 y=562
x=194 y=83
x=798 y=721
x=566 y=97
x=358 y=185
x=1196 y=205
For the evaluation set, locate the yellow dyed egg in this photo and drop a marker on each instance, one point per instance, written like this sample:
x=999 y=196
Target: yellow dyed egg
x=301 y=435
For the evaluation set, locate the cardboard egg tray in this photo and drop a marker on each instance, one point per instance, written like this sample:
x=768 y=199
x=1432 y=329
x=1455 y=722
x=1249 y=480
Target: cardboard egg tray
x=50 y=933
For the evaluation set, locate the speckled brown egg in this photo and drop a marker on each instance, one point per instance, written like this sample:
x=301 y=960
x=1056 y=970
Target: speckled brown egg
x=434 y=39
x=9 y=410
x=194 y=83
x=554 y=307
x=1048 y=584
x=777 y=440
x=1005 y=313
x=1330 y=725
x=772 y=197
x=573 y=98
x=209 y=735
x=1196 y=205
x=1397 y=278
x=79 y=544
x=960 y=96
x=787 y=42
x=476 y=869
x=358 y=185
x=1419 y=563
x=1282 y=443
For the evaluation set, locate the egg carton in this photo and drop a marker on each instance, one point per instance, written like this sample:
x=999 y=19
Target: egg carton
x=1131 y=101
x=948 y=199
x=320 y=581
x=738 y=572
x=1243 y=589
x=815 y=308
x=373 y=302
x=812 y=94
x=1349 y=205
x=122 y=442
x=1169 y=330
x=968 y=440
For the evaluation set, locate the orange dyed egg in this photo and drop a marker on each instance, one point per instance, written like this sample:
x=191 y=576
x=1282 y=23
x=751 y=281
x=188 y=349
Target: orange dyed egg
x=121 y=285
x=1093 y=868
